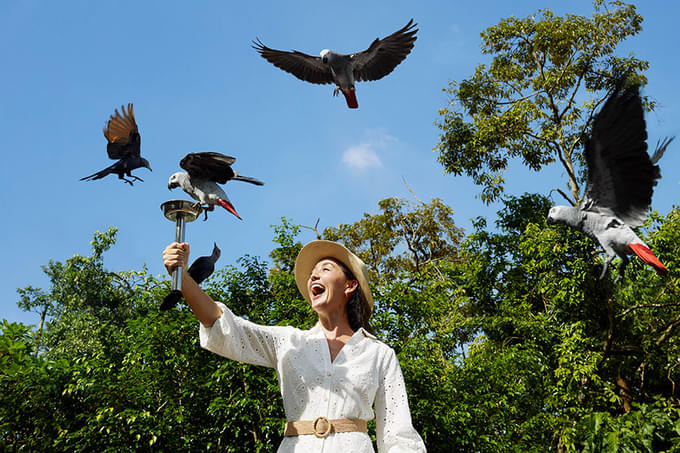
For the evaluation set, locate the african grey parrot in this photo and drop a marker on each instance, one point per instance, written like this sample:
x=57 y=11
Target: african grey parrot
x=204 y=172
x=620 y=182
x=199 y=270
x=381 y=57
x=124 y=144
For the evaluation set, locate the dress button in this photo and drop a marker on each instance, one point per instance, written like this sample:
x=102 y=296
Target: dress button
x=325 y=398
x=328 y=374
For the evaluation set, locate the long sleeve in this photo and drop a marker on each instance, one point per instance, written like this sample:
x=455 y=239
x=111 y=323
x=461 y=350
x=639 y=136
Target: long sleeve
x=394 y=430
x=239 y=339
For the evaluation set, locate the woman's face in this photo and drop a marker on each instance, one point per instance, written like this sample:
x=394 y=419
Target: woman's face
x=328 y=287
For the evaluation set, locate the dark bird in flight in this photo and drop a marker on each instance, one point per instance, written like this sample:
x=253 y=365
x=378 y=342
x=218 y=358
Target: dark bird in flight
x=204 y=171
x=199 y=270
x=620 y=182
x=381 y=57
x=123 y=144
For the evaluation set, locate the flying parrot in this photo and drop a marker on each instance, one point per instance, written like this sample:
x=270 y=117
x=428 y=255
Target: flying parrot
x=381 y=57
x=199 y=270
x=204 y=171
x=620 y=181
x=124 y=144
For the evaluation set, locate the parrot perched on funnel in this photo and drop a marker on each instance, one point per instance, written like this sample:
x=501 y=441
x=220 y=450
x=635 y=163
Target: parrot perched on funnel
x=620 y=181
x=204 y=172
x=124 y=144
x=199 y=270
x=381 y=57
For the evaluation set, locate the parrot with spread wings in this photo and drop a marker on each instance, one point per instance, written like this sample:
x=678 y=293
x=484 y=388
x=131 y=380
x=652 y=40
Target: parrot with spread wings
x=380 y=59
x=620 y=182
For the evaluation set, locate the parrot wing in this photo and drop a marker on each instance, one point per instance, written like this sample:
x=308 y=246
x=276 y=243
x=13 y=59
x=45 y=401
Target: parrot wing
x=621 y=176
x=122 y=134
x=209 y=165
x=304 y=67
x=383 y=55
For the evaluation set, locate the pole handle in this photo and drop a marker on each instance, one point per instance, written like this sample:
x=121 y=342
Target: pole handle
x=179 y=237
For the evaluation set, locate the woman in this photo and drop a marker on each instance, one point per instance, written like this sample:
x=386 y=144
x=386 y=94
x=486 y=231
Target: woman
x=332 y=375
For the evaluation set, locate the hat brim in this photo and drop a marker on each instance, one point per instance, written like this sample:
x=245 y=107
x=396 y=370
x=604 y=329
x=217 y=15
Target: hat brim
x=315 y=251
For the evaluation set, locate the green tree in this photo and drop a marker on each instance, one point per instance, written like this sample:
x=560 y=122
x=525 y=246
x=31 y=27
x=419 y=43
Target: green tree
x=507 y=340
x=537 y=97
x=556 y=345
x=116 y=374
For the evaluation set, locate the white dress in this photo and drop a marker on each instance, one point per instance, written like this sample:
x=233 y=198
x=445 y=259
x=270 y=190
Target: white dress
x=364 y=374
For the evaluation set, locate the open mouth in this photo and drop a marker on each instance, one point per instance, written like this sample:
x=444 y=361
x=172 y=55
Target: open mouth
x=317 y=289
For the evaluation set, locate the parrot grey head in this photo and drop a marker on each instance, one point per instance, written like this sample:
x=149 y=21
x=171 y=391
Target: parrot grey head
x=325 y=55
x=176 y=180
x=565 y=215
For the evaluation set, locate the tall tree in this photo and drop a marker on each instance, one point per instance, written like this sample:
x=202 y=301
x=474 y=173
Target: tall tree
x=507 y=341
x=536 y=99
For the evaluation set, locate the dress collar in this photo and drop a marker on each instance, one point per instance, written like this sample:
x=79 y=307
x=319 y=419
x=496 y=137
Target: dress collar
x=317 y=330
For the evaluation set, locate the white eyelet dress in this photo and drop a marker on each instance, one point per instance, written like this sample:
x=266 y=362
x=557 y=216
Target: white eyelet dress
x=364 y=374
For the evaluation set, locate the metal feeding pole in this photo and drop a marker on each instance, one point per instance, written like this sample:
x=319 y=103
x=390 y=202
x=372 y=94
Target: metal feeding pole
x=180 y=212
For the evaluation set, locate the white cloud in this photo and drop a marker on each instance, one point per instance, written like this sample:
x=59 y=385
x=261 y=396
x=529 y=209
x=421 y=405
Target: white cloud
x=365 y=154
x=361 y=157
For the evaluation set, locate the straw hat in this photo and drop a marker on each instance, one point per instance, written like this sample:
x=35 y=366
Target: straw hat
x=315 y=251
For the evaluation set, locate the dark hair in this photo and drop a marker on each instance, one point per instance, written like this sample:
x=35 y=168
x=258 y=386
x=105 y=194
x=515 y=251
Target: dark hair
x=358 y=311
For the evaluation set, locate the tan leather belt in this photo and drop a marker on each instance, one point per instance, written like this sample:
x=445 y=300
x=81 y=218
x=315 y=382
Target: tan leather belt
x=321 y=427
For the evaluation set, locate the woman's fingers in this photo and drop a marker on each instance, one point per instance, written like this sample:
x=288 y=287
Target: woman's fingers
x=175 y=255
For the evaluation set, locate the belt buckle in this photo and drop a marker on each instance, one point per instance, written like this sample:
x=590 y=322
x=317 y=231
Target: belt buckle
x=326 y=432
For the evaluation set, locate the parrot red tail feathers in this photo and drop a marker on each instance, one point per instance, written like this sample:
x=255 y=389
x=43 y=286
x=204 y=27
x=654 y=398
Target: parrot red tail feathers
x=229 y=207
x=351 y=97
x=648 y=257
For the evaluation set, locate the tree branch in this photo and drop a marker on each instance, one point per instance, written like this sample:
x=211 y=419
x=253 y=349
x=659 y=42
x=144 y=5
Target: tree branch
x=637 y=307
x=403 y=180
x=668 y=375
x=666 y=333
x=573 y=203
x=573 y=94
x=314 y=228
x=514 y=101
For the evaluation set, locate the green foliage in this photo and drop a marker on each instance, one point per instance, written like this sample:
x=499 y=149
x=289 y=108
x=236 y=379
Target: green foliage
x=536 y=98
x=651 y=429
x=507 y=340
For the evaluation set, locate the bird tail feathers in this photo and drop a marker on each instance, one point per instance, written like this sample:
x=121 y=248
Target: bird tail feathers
x=248 y=179
x=229 y=207
x=648 y=257
x=351 y=98
x=171 y=300
x=99 y=175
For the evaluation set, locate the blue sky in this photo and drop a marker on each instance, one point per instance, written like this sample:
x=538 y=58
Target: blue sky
x=197 y=85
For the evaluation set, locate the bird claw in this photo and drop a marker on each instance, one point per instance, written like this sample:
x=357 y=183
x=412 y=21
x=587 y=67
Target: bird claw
x=206 y=209
x=336 y=91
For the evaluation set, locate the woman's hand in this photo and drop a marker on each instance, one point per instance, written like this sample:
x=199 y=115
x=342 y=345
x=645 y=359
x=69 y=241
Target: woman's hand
x=175 y=255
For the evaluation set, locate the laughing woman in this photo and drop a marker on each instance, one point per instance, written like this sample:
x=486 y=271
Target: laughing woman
x=333 y=376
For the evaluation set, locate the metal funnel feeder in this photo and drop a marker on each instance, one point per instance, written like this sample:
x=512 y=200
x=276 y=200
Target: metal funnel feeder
x=180 y=212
